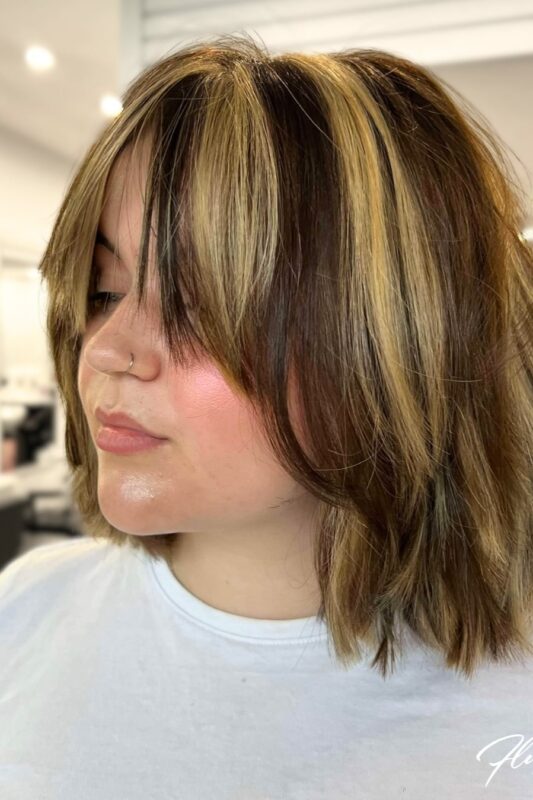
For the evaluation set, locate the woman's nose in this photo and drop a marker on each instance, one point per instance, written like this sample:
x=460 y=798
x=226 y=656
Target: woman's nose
x=102 y=359
x=124 y=333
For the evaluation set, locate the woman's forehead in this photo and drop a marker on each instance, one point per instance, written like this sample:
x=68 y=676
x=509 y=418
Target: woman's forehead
x=125 y=191
x=119 y=227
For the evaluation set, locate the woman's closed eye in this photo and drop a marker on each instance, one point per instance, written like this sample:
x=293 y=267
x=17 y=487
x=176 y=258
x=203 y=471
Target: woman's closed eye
x=100 y=300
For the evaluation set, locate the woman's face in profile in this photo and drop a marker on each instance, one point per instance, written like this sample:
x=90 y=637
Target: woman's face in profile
x=214 y=469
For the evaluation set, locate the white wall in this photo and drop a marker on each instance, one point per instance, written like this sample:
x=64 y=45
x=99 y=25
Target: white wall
x=23 y=301
x=32 y=184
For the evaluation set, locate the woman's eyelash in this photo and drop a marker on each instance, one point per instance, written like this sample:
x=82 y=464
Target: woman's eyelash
x=98 y=299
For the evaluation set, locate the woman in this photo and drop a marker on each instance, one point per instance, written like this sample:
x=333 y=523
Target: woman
x=301 y=276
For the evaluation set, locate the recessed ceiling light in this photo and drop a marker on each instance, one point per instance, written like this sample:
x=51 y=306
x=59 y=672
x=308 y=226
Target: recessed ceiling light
x=110 y=105
x=39 y=58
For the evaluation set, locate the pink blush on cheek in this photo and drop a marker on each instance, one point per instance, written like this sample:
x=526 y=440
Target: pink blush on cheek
x=218 y=412
x=204 y=390
x=212 y=388
x=215 y=413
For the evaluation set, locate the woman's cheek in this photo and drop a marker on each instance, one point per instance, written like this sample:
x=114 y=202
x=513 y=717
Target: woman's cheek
x=224 y=412
x=218 y=414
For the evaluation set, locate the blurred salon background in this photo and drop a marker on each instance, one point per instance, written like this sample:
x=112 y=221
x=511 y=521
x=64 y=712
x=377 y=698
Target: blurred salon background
x=64 y=65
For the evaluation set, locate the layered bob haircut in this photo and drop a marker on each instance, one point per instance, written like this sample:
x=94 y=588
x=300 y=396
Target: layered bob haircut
x=344 y=219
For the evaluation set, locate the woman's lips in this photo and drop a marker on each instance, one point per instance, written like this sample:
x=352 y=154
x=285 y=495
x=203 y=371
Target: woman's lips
x=119 y=419
x=124 y=440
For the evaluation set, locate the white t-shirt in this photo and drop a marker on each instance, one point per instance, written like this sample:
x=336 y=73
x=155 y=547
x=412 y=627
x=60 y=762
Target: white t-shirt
x=117 y=683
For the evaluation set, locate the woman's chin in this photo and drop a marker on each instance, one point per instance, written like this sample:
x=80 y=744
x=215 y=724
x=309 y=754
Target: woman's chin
x=132 y=518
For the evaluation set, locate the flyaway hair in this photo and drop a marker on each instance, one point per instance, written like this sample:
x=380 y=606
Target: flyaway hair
x=346 y=226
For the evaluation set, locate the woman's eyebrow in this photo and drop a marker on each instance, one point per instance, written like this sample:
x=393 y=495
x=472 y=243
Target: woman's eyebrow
x=103 y=240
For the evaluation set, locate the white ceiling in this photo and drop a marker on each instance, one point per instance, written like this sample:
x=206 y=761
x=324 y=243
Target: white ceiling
x=428 y=31
x=58 y=111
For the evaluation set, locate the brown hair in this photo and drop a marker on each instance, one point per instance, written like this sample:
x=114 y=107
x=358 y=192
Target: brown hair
x=342 y=217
